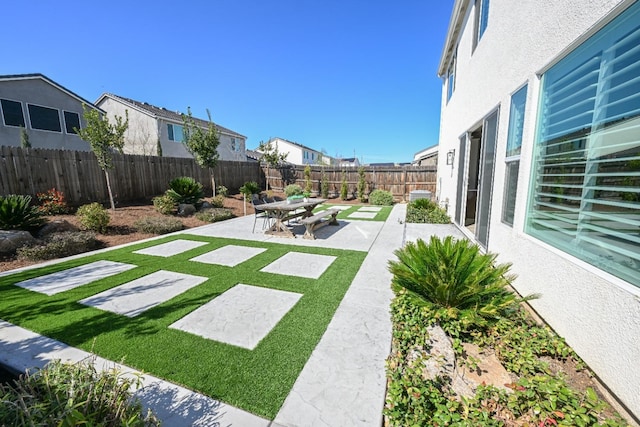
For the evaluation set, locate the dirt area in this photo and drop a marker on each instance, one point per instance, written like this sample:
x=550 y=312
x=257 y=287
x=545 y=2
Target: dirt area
x=121 y=229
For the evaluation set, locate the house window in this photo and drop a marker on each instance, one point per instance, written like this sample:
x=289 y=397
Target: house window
x=451 y=78
x=12 y=113
x=44 y=118
x=235 y=144
x=585 y=189
x=481 y=19
x=175 y=133
x=514 y=142
x=71 y=121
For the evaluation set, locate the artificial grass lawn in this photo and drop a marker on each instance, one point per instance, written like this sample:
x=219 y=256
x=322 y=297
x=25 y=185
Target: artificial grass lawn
x=256 y=380
x=382 y=215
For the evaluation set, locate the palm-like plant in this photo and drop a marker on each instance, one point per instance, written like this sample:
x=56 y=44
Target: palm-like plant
x=185 y=189
x=17 y=213
x=456 y=279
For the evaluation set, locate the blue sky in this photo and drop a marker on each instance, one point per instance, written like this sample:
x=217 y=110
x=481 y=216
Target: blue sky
x=346 y=76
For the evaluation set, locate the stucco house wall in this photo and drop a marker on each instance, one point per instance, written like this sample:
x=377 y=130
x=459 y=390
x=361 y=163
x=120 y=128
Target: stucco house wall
x=142 y=134
x=39 y=90
x=296 y=152
x=597 y=313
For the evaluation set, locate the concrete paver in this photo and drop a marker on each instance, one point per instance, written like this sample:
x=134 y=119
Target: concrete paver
x=170 y=248
x=241 y=316
x=229 y=255
x=300 y=264
x=365 y=215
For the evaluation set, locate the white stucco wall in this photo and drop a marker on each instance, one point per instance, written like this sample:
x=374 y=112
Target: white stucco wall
x=141 y=136
x=597 y=313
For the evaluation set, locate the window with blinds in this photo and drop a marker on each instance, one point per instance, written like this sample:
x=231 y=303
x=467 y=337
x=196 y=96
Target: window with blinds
x=585 y=196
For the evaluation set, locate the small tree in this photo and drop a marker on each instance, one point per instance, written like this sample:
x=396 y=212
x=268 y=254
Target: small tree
x=307 y=179
x=159 y=148
x=361 y=184
x=324 y=185
x=344 y=187
x=202 y=144
x=24 y=138
x=104 y=138
x=271 y=156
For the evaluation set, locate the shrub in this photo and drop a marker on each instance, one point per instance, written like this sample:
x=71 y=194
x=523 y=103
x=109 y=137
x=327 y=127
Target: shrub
x=64 y=394
x=158 y=225
x=307 y=179
x=361 y=185
x=185 y=190
x=93 y=217
x=58 y=245
x=218 y=201
x=381 y=197
x=222 y=191
x=344 y=187
x=17 y=213
x=324 y=186
x=456 y=279
x=52 y=202
x=426 y=211
x=249 y=188
x=292 y=190
x=214 y=215
x=164 y=204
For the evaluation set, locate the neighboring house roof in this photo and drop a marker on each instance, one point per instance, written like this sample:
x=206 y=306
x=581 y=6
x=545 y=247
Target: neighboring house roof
x=253 y=155
x=455 y=25
x=426 y=153
x=293 y=143
x=35 y=76
x=163 y=113
x=349 y=160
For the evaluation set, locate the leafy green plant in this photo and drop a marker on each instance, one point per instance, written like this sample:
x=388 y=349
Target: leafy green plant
x=155 y=225
x=52 y=202
x=58 y=245
x=324 y=185
x=426 y=211
x=307 y=179
x=292 y=190
x=93 y=217
x=344 y=187
x=455 y=278
x=362 y=184
x=222 y=191
x=214 y=214
x=185 y=189
x=249 y=188
x=164 y=204
x=17 y=213
x=218 y=201
x=65 y=394
x=381 y=198
x=202 y=143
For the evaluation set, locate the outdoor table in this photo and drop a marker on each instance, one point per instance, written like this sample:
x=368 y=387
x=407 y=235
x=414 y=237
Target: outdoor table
x=284 y=211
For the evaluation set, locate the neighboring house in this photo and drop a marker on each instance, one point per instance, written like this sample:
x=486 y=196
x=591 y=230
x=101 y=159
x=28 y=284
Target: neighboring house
x=541 y=112
x=351 y=162
x=150 y=125
x=426 y=157
x=299 y=154
x=48 y=112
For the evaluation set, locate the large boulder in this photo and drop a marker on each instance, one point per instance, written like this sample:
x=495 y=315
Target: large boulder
x=185 y=209
x=57 y=226
x=11 y=240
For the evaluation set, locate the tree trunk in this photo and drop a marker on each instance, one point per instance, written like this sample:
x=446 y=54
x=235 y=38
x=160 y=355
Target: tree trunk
x=113 y=205
x=213 y=182
x=267 y=178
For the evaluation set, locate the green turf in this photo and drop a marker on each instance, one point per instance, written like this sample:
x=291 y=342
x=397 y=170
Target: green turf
x=382 y=215
x=256 y=380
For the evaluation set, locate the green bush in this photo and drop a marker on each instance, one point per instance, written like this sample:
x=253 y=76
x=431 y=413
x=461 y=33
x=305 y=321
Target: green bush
x=93 y=217
x=218 y=201
x=362 y=184
x=164 y=204
x=158 y=225
x=249 y=188
x=324 y=186
x=344 y=187
x=52 y=202
x=17 y=213
x=214 y=215
x=307 y=179
x=65 y=394
x=58 y=245
x=426 y=211
x=292 y=190
x=222 y=191
x=185 y=190
x=454 y=277
x=381 y=198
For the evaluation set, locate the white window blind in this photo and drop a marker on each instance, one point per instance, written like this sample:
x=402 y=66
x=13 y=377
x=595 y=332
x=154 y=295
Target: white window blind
x=585 y=196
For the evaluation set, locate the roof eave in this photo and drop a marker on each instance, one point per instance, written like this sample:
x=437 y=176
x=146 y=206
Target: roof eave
x=455 y=23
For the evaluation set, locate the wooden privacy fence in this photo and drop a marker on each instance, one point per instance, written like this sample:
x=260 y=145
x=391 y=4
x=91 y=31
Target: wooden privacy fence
x=399 y=180
x=134 y=177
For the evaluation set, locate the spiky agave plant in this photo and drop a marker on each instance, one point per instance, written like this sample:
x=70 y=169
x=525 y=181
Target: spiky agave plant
x=455 y=279
x=185 y=189
x=17 y=213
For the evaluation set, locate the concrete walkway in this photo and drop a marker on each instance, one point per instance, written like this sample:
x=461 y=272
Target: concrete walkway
x=342 y=383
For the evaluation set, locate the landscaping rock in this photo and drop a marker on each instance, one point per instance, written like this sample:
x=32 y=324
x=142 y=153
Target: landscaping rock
x=206 y=205
x=442 y=360
x=186 y=209
x=489 y=372
x=11 y=240
x=57 y=226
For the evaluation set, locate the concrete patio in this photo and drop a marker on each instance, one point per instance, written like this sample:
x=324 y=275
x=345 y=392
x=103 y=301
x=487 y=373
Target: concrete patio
x=342 y=383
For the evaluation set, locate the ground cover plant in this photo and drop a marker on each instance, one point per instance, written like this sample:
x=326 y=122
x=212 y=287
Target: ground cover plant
x=452 y=285
x=256 y=380
x=426 y=211
x=381 y=215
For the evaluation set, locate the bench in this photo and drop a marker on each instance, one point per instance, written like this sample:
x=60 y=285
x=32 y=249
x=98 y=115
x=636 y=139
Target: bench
x=312 y=223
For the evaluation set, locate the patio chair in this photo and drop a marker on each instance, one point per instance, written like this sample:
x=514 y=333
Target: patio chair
x=259 y=213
